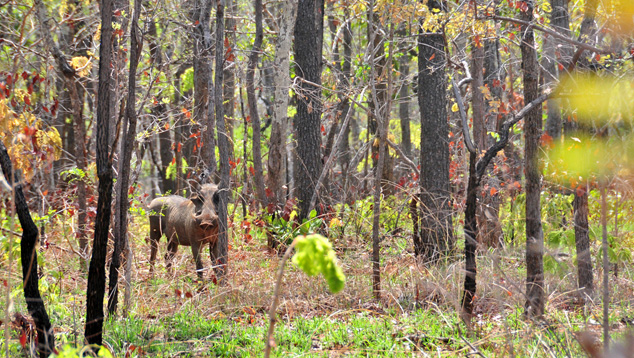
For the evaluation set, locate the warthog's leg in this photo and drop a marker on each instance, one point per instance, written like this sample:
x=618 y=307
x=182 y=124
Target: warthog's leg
x=155 y=236
x=172 y=247
x=198 y=258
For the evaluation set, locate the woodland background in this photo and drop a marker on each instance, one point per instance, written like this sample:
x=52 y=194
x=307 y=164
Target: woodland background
x=469 y=161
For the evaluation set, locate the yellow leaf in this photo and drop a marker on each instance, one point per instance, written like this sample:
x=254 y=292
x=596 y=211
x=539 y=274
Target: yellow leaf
x=454 y=107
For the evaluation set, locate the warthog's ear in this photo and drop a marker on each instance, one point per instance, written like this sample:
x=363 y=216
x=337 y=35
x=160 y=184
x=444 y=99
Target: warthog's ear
x=198 y=203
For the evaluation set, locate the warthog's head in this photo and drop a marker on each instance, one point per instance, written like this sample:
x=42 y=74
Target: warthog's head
x=205 y=215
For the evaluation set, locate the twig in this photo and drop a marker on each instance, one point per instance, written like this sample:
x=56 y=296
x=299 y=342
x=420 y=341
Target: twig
x=10 y=231
x=553 y=33
x=407 y=161
x=269 y=340
x=476 y=350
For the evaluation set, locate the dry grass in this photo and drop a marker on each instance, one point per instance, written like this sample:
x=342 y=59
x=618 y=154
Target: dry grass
x=417 y=301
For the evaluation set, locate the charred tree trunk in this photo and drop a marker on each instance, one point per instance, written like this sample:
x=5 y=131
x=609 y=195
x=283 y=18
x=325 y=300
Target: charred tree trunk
x=308 y=50
x=221 y=250
x=535 y=297
x=253 y=107
x=28 y=255
x=96 y=271
x=470 y=244
x=435 y=198
x=127 y=146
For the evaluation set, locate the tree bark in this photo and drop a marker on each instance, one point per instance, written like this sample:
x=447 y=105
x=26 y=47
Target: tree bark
x=435 y=197
x=128 y=143
x=281 y=79
x=535 y=297
x=203 y=90
x=28 y=255
x=403 y=94
x=582 y=243
x=308 y=50
x=96 y=271
x=253 y=107
x=220 y=253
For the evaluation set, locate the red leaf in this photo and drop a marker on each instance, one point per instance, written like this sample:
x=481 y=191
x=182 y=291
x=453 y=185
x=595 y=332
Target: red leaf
x=178 y=292
x=173 y=160
x=23 y=339
x=178 y=148
x=27 y=100
x=25 y=75
x=432 y=57
x=13 y=103
x=30 y=89
x=188 y=294
x=166 y=126
x=117 y=13
x=493 y=191
x=45 y=109
x=252 y=171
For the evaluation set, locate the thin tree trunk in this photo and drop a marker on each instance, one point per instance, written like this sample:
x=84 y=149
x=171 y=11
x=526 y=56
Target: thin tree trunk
x=229 y=77
x=535 y=297
x=582 y=243
x=606 y=270
x=221 y=251
x=96 y=271
x=403 y=94
x=127 y=144
x=203 y=85
x=253 y=107
x=307 y=123
x=28 y=255
x=346 y=74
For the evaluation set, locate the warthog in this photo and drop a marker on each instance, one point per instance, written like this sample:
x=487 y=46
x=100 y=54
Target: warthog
x=188 y=222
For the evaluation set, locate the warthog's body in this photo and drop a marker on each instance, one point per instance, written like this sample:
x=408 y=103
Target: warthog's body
x=188 y=222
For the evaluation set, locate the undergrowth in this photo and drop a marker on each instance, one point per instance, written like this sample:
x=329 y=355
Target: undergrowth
x=178 y=316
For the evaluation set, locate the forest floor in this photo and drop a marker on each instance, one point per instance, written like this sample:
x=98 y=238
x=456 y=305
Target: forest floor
x=174 y=315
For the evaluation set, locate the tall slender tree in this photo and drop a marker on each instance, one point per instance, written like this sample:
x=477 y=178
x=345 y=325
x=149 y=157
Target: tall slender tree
x=96 y=271
x=535 y=297
x=253 y=106
x=307 y=123
x=435 y=198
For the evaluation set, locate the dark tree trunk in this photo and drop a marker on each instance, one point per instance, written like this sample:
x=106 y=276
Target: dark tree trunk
x=582 y=242
x=203 y=92
x=220 y=253
x=435 y=197
x=535 y=297
x=308 y=50
x=96 y=272
x=28 y=255
x=168 y=185
x=470 y=244
x=253 y=107
x=127 y=146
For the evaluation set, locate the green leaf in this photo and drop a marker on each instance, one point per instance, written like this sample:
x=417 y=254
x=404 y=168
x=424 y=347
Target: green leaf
x=314 y=254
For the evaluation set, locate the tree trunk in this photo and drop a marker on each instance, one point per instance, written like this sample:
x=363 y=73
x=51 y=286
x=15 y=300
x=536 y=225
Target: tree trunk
x=307 y=123
x=96 y=272
x=582 y=242
x=281 y=79
x=435 y=197
x=28 y=255
x=203 y=114
x=535 y=297
x=127 y=146
x=229 y=77
x=346 y=71
x=220 y=253
x=404 y=101
x=470 y=244
x=253 y=107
